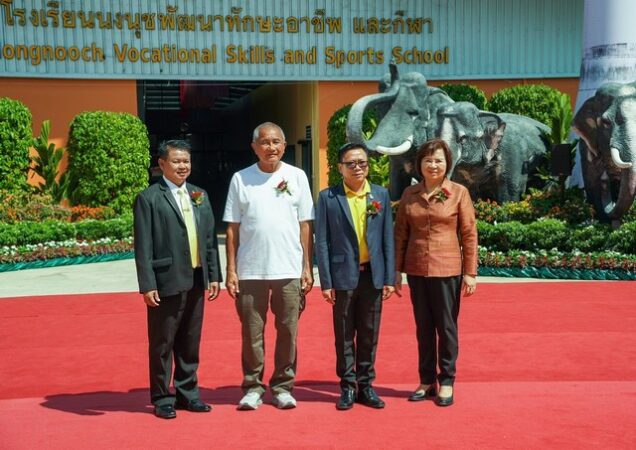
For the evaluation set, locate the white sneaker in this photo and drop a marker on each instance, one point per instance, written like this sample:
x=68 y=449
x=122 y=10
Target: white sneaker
x=250 y=401
x=284 y=400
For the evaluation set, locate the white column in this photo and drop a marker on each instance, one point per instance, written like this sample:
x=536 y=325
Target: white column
x=609 y=53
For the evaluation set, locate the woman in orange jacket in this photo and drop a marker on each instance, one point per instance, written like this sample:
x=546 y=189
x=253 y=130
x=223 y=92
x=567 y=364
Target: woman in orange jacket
x=436 y=245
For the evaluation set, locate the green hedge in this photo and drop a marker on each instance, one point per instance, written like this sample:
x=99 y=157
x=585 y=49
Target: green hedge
x=16 y=136
x=537 y=101
x=548 y=234
x=23 y=233
x=109 y=158
x=466 y=93
x=623 y=239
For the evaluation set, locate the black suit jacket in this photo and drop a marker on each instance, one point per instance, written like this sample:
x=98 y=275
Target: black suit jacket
x=162 y=251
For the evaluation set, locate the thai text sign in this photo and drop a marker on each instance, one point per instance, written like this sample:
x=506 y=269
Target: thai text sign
x=196 y=39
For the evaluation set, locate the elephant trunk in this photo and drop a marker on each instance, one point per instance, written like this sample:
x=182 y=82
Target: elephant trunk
x=356 y=114
x=626 y=194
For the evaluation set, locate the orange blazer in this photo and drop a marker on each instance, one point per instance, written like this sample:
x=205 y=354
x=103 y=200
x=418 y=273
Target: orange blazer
x=436 y=238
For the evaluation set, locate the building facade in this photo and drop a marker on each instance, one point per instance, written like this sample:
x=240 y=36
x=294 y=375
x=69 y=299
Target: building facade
x=212 y=71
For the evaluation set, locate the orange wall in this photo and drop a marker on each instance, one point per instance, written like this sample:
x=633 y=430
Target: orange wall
x=61 y=100
x=333 y=95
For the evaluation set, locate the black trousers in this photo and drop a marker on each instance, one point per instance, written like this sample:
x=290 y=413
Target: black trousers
x=174 y=332
x=356 y=323
x=436 y=308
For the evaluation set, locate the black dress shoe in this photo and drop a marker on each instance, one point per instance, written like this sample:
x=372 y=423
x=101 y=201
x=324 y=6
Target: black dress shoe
x=418 y=396
x=165 y=412
x=368 y=397
x=346 y=400
x=444 y=401
x=194 y=406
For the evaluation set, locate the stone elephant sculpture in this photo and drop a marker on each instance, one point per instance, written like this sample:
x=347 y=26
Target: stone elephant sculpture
x=606 y=123
x=494 y=154
x=407 y=110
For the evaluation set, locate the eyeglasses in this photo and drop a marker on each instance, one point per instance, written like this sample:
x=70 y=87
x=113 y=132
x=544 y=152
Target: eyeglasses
x=352 y=164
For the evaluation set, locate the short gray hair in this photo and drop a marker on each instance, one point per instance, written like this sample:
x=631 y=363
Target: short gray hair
x=257 y=130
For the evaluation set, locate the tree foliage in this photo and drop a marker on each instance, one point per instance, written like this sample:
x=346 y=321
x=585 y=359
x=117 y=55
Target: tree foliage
x=15 y=139
x=109 y=158
x=538 y=101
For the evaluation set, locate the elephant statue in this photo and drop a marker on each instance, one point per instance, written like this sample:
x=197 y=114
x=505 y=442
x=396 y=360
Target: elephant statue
x=492 y=163
x=407 y=111
x=606 y=123
x=493 y=154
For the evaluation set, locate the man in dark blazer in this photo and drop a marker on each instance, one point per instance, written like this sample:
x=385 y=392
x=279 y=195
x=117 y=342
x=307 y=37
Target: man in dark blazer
x=176 y=254
x=354 y=247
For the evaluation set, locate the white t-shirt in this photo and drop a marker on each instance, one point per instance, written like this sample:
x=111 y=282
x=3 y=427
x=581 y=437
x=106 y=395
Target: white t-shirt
x=269 y=231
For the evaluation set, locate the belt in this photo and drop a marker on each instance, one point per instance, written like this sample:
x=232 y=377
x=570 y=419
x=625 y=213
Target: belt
x=365 y=267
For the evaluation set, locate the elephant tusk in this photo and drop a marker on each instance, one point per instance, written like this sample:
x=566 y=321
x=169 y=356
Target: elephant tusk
x=395 y=151
x=618 y=162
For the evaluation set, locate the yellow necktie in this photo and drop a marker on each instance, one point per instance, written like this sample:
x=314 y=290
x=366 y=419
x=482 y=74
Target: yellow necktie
x=188 y=217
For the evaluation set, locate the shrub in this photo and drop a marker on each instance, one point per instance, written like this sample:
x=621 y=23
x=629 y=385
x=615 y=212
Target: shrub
x=15 y=139
x=569 y=205
x=379 y=169
x=502 y=237
x=624 y=239
x=488 y=211
x=520 y=211
x=466 y=93
x=545 y=234
x=118 y=228
x=630 y=216
x=24 y=206
x=537 y=101
x=81 y=212
x=336 y=133
x=589 y=238
x=108 y=159
x=28 y=232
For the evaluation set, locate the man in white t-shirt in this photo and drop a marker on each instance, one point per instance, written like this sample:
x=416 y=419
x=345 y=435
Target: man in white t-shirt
x=269 y=243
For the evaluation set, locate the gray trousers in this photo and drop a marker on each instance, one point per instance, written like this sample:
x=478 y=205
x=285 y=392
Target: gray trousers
x=252 y=304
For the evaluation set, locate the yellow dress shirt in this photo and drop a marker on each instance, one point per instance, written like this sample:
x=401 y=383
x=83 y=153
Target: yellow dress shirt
x=358 y=207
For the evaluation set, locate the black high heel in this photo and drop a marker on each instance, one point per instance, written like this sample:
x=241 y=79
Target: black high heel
x=445 y=401
x=418 y=396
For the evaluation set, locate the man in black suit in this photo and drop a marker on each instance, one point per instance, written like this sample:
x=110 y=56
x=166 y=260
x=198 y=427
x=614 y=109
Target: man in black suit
x=176 y=254
x=356 y=263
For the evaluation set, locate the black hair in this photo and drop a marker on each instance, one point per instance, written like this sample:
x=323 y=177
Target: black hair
x=175 y=144
x=351 y=146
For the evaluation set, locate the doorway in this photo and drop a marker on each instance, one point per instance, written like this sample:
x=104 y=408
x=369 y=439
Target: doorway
x=218 y=119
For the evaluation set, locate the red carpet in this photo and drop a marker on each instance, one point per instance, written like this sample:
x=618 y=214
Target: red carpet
x=542 y=365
